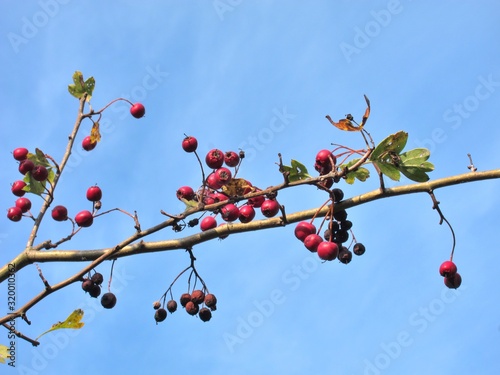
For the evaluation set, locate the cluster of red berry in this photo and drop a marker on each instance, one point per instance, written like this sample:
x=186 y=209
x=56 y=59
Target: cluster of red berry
x=191 y=303
x=221 y=185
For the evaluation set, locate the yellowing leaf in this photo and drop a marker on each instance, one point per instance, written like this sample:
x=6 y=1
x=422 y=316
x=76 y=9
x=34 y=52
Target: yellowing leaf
x=73 y=321
x=237 y=187
x=4 y=353
x=95 y=135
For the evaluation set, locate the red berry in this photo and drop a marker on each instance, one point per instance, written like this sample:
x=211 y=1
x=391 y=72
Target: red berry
x=231 y=159
x=256 y=201
x=137 y=110
x=230 y=212
x=94 y=193
x=24 y=204
x=185 y=192
x=26 y=166
x=20 y=153
x=223 y=176
x=247 y=213
x=17 y=188
x=453 y=282
x=213 y=182
x=40 y=173
x=197 y=296
x=14 y=213
x=171 y=306
x=192 y=308
x=189 y=144
x=210 y=301
x=219 y=197
x=207 y=223
x=324 y=159
x=327 y=250
x=87 y=144
x=447 y=269
x=185 y=298
x=312 y=241
x=59 y=213
x=304 y=229
x=84 y=219
x=214 y=158
x=270 y=207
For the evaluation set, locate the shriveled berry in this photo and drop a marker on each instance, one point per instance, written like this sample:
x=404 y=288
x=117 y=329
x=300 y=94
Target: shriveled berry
x=97 y=278
x=207 y=223
x=304 y=229
x=20 y=153
x=95 y=290
x=156 y=305
x=197 y=296
x=87 y=284
x=160 y=315
x=185 y=298
x=40 y=173
x=171 y=306
x=345 y=255
x=192 y=308
x=14 y=213
x=205 y=314
x=453 y=282
x=59 y=213
x=189 y=144
x=17 y=188
x=312 y=241
x=108 y=300
x=87 y=143
x=137 y=110
x=24 y=204
x=359 y=249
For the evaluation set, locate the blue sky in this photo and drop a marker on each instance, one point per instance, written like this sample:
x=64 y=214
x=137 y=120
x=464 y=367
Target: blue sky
x=227 y=72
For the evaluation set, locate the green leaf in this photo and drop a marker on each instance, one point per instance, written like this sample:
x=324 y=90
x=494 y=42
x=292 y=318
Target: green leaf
x=33 y=186
x=393 y=143
x=389 y=170
x=361 y=173
x=73 y=321
x=296 y=172
x=415 y=174
x=79 y=87
x=415 y=157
